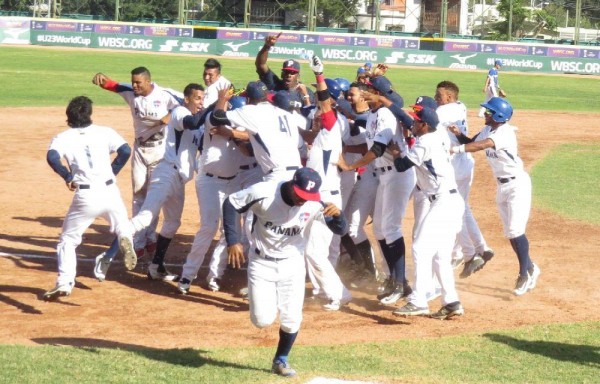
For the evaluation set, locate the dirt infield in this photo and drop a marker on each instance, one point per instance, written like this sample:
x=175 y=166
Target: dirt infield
x=128 y=309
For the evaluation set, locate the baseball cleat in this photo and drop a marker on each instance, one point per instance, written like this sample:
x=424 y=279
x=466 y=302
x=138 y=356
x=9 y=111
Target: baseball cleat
x=487 y=255
x=56 y=292
x=159 y=272
x=448 y=311
x=522 y=285
x=283 y=369
x=401 y=290
x=335 y=305
x=184 y=286
x=533 y=276
x=411 y=310
x=213 y=284
x=101 y=267
x=129 y=256
x=472 y=266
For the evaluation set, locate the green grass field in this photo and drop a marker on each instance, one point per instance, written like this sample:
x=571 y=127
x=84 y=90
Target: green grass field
x=564 y=353
x=51 y=77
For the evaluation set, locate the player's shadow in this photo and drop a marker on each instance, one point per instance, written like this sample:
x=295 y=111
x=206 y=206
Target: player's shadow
x=587 y=355
x=371 y=306
x=478 y=289
x=186 y=357
x=25 y=308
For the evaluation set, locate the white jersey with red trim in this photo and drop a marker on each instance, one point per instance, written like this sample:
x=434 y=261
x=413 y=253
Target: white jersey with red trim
x=503 y=157
x=273 y=134
x=278 y=230
x=87 y=150
x=148 y=110
x=382 y=127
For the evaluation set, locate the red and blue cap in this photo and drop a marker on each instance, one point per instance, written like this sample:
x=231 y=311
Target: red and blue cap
x=306 y=183
x=291 y=65
x=426 y=115
x=424 y=102
x=256 y=90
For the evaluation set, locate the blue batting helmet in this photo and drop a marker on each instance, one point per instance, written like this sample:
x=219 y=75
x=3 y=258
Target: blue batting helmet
x=501 y=109
x=237 y=102
x=343 y=83
x=334 y=88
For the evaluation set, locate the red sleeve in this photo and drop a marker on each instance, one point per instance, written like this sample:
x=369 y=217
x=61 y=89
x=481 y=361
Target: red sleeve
x=328 y=119
x=110 y=85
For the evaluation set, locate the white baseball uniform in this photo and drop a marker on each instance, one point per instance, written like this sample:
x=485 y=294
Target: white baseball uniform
x=211 y=93
x=166 y=189
x=219 y=162
x=149 y=145
x=87 y=152
x=513 y=195
x=435 y=234
x=470 y=239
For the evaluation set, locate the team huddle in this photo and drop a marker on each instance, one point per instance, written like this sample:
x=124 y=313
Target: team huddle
x=288 y=177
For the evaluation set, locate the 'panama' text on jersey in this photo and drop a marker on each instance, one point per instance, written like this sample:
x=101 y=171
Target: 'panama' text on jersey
x=279 y=230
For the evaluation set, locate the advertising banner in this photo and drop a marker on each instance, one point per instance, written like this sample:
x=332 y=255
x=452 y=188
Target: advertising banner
x=14 y=30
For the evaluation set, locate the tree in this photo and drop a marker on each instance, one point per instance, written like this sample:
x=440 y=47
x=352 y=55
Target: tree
x=519 y=17
x=331 y=12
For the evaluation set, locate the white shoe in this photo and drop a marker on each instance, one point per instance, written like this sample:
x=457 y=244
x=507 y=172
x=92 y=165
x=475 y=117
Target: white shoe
x=522 y=285
x=335 y=305
x=534 y=276
x=129 y=255
x=213 y=284
x=101 y=267
x=58 y=291
x=184 y=286
x=159 y=272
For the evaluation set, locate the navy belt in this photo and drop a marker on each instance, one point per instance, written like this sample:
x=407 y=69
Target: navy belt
x=257 y=251
x=220 y=177
x=87 y=186
x=248 y=166
x=293 y=168
x=504 y=180
x=360 y=177
x=384 y=169
x=434 y=197
x=334 y=192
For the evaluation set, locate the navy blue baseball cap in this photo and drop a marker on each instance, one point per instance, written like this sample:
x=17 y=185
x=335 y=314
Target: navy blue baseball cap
x=291 y=65
x=284 y=100
x=424 y=102
x=498 y=62
x=380 y=84
x=307 y=183
x=426 y=115
x=256 y=90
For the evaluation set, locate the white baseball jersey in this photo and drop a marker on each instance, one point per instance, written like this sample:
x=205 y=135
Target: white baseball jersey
x=278 y=229
x=382 y=128
x=325 y=152
x=85 y=149
x=434 y=172
x=220 y=156
x=456 y=114
x=503 y=158
x=273 y=135
x=211 y=93
x=148 y=110
x=181 y=144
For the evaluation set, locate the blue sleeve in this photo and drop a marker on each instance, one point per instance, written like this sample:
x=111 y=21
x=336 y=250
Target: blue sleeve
x=403 y=163
x=231 y=223
x=270 y=79
x=53 y=159
x=219 y=117
x=402 y=116
x=197 y=120
x=123 y=154
x=337 y=224
x=395 y=98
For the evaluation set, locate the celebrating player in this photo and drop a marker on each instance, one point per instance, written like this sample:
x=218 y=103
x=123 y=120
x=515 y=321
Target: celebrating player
x=276 y=270
x=86 y=147
x=513 y=196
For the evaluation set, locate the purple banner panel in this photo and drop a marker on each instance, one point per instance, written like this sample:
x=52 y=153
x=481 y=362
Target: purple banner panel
x=259 y=35
x=164 y=31
x=462 y=46
x=135 y=29
x=488 y=48
x=539 y=51
x=38 y=25
x=590 y=53
x=60 y=26
x=506 y=49
x=361 y=41
x=563 y=52
x=310 y=39
x=233 y=34
x=110 y=28
x=334 y=40
x=408 y=44
x=289 y=38
x=382 y=42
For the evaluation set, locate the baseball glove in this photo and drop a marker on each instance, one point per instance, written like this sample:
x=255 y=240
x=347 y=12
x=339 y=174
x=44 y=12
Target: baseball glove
x=502 y=93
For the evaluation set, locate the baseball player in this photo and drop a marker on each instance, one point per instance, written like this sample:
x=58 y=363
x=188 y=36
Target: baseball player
x=436 y=232
x=150 y=107
x=470 y=246
x=492 y=85
x=290 y=74
x=213 y=80
x=86 y=147
x=393 y=192
x=283 y=211
x=219 y=164
x=513 y=196
x=323 y=156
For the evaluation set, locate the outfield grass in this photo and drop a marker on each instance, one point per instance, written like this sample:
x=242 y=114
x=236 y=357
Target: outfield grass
x=566 y=181
x=544 y=354
x=51 y=77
